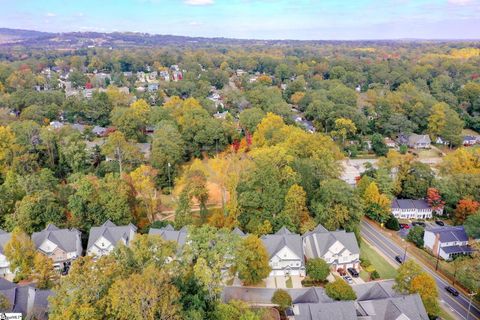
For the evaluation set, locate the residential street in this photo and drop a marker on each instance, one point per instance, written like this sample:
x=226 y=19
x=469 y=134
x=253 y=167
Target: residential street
x=459 y=305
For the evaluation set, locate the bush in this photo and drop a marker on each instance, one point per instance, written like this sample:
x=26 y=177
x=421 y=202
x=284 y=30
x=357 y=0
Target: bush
x=365 y=263
x=370 y=269
x=392 y=223
x=318 y=269
x=403 y=149
x=282 y=299
x=340 y=290
x=374 y=275
x=416 y=236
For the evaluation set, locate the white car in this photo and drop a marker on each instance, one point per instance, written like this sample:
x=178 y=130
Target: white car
x=348 y=279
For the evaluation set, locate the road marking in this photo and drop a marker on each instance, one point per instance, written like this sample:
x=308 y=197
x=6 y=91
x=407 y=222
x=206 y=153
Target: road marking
x=436 y=277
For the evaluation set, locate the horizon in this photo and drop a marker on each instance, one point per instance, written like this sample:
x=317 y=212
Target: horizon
x=247 y=19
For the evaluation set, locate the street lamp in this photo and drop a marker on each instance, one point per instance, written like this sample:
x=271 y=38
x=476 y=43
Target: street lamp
x=470 y=304
x=438 y=258
x=169 y=181
x=405 y=253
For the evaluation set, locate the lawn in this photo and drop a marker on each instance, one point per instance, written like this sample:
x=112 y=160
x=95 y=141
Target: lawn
x=385 y=269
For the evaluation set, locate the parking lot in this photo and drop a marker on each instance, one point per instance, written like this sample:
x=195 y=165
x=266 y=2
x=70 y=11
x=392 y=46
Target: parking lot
x=403 y=232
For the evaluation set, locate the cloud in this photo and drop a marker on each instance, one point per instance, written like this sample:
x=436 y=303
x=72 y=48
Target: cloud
x=199 y=2
x=51 y=14
x=195 y=23
x=460 y=2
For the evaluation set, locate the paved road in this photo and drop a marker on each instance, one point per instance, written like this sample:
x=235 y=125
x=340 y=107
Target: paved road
x=459 y=305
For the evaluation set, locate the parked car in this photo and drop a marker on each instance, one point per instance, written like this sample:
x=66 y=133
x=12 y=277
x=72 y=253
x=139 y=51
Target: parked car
x=342 y=272
x=354 y=273
x=452 y=291
x=348 y=279
x=440 y=222
x=399 y=259
x=404 y=226
x=419 y=223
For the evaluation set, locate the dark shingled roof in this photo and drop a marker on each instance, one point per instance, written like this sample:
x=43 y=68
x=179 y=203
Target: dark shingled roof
x=283 y=238
x=409 y=204
x=450 y=233
x=170 y=234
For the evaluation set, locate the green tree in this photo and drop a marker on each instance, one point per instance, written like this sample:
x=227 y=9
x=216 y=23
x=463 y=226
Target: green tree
x=282 y=299
x=415 y=180
x=378 y=145
x=415 y=235
x=392 y=223
x=168 y=149
x=20 y=252
x=472 y=225
x=295 y=215
x=119 y=149
x=4 y=303
x=250 y=118
x=252 y=260
x=340 y=290
x=318 y=269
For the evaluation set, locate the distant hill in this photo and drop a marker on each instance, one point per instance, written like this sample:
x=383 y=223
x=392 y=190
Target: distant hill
x=76 y=40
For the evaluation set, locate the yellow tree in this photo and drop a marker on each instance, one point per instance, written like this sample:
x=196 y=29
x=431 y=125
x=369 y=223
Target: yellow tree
x=437 y=119
x=20 y=252
x=8 y=147
x=252 y=260
x=377 y=205
x=462 y=160
x=44 y=273
x=143 y=182
x=269 y=131
x=344 y=128
x=425 y=286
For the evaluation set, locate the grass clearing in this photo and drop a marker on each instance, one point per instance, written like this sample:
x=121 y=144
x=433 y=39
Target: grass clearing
x=385 y=269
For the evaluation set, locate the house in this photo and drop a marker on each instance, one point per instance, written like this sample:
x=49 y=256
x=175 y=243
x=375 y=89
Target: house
x=152 y=87
x=285 y=251
x=31 y=302
x=470 y=140
x=56 y=125
x=338 y=248
x=375 y=301
x=390 y=143
x=104 y=239
x=440 y=140
x=99 y=131
x=240 y=72
x=412 y=209
x=168 y=233
x=238 y=232
x=4 y=263
x=61 y=245
x=418 y=141
x=447 y=242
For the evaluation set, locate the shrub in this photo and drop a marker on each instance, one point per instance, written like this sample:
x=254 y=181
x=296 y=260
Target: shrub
x=340 y=290
x=282 y=299
x=392 y=223
x=365 y=263
x=374 y=275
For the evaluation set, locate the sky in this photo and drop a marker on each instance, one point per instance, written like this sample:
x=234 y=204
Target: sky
x=253 y=19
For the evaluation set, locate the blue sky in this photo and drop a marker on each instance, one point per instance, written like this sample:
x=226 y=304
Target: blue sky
x=259 y=19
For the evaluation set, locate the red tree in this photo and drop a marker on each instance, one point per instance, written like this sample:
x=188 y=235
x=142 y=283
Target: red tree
x=434 y=199
x=465 y=207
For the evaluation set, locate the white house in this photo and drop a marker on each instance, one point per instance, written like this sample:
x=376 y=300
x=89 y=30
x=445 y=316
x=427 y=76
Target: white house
x=102 y=240
x=411 y=209
x=338 y=248
x=285 y=253
x=61 y=245
x=4 y=263
x=447 y=242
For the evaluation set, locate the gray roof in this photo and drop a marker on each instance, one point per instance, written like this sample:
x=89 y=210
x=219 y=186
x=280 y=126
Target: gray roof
x=313 y=295
x=319 y=241
x=99 y=130
x=283 y=238
x=375 y=290
x=409 y=204
x=238 y=232
x=410 y=307
x=111 y=232
x=26 y=300
x=338 y=310
x=170 y=234
x=66 y=239
x=457 y=249
x=418 y=138
x=450 y=233
x=4 y=238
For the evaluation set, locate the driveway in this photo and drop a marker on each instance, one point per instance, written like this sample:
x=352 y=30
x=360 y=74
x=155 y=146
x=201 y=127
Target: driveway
x=270 y=282
x=281 y=282
x=296 y=281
